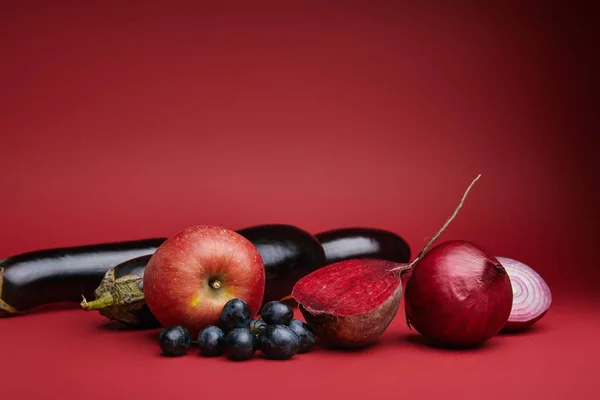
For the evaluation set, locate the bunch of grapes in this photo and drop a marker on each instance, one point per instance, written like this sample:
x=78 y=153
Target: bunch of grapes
x=277 y=334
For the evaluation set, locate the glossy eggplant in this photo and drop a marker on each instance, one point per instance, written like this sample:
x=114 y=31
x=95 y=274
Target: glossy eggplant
x=352 y=243
x=65 y=274
x=62 y=275
x=288 y=254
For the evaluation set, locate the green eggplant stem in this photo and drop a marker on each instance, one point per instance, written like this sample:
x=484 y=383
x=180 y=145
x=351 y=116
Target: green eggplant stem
x=105 y=301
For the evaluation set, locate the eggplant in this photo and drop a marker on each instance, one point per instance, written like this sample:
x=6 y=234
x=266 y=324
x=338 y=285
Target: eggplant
x=361 y=243
x=288 y=254
x=62 y=275
x=116 y=269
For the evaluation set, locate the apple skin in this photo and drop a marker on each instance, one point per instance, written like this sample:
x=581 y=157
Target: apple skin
x=195 y=272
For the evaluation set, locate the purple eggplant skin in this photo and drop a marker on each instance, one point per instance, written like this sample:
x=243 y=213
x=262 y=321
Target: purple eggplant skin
x=135 y=266
x=288 y=252
x=63 y=274
x=361 y=243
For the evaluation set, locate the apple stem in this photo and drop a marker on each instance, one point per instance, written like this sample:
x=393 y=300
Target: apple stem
x=216 y=284
x=104 y=301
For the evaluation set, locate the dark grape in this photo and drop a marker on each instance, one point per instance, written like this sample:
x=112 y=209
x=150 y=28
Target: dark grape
x=278 y=342
x=305 y=334
x=211 y=341
x=240 y=344
x=235 y=314
x=174 y=341
x=277 y=313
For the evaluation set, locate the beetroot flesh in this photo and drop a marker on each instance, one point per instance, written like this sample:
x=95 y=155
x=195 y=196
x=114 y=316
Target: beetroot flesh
x=350 y=303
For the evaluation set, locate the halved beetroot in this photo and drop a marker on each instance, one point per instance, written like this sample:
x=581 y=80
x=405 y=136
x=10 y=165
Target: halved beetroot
x=350 y=303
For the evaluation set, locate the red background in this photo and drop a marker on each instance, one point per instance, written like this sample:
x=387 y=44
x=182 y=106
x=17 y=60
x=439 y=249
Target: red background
x=123 y=121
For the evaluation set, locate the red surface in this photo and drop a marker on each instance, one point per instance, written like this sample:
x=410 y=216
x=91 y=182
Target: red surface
x=75 y=355
x=123 y=120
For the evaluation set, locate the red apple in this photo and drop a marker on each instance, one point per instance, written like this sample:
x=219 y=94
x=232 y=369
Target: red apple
x=195 y=272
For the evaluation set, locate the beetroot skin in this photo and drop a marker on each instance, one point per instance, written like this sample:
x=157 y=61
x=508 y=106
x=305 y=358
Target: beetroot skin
x=350 y=303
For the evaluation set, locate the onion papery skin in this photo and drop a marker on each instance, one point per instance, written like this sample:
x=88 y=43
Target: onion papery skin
x=531 y=295
x=458 y=295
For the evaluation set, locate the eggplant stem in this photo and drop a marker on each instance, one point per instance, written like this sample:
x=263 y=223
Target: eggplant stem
x=105 y=301
x=5 y=308
x=443 y=228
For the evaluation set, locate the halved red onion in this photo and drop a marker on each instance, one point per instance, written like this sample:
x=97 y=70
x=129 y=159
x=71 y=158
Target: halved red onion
x=531 y=295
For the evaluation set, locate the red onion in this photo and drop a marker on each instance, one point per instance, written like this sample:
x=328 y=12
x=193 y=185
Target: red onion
x=531 y=295
x=458 y=295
